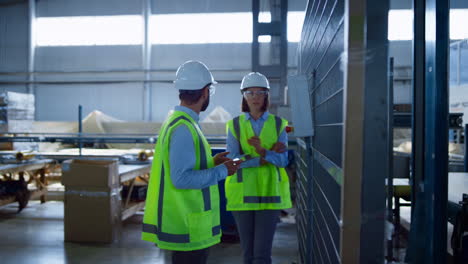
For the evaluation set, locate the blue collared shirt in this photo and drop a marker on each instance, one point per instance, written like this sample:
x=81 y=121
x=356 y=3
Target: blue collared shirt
x=182 y=159
x=277 y=159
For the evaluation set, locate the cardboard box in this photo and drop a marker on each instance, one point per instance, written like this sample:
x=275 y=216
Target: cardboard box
x=94 y=173
x=92 y=214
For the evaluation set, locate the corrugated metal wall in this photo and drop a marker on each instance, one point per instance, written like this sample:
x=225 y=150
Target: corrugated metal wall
x=304 y=200
x=338 y=76
x=320 y=56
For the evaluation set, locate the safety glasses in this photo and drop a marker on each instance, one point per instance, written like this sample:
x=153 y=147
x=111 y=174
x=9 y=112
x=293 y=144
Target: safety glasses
x=251 y=94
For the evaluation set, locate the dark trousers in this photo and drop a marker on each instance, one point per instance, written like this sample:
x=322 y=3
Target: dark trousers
x=189 y=257
x=256 y=230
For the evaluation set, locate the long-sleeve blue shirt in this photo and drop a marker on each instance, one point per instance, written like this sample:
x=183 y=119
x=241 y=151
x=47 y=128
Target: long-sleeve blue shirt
x=182 y=159
x=278 y=159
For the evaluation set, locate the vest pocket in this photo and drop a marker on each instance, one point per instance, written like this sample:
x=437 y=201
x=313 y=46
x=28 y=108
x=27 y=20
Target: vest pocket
x=234 y=191
x=200 y=226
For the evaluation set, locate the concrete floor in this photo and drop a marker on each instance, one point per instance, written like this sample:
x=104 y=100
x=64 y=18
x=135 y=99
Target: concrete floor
x=36 y=236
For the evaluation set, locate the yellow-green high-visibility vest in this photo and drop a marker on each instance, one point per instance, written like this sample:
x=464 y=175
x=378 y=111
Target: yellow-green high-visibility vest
x=257 y=188
x=181 y=219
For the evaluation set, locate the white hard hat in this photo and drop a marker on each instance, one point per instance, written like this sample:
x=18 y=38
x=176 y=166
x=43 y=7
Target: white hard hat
x=255 y=79
x=193 y=75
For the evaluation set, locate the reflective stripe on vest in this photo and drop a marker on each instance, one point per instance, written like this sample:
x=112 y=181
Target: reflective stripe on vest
x=173 y=238
x=262 y=199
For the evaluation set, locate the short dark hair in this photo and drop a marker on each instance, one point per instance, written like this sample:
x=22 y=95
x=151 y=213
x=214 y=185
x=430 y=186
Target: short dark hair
x=191 y=97
x=246 y=109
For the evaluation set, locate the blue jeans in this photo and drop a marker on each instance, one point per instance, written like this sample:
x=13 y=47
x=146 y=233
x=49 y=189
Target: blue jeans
x=256 y=231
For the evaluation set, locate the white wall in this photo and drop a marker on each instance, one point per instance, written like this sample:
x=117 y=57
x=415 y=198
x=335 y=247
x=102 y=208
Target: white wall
x=401 y=51
x=229 y=62
x=60 y=102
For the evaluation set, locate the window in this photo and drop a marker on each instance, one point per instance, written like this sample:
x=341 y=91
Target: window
x=201 y=28
x=164 y=29
x=89 y=30
x=400 y=24
x=458 y=21
x=215 y=28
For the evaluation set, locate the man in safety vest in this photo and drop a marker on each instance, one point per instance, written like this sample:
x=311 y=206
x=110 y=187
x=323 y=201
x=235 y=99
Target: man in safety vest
x=182 y=204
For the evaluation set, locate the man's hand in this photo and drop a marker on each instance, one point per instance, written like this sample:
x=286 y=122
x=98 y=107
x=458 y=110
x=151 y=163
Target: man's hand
x=232 y=166
x=257 y=144
x=279 y=147
x=220 y=158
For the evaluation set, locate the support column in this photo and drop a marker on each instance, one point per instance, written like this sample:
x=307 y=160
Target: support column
x=277 y=71
x=146 y=58
x=366 y=151
x=428 y=234
x=32 y=46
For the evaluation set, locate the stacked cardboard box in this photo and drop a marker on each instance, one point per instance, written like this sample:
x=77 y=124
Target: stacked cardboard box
x=92 y=201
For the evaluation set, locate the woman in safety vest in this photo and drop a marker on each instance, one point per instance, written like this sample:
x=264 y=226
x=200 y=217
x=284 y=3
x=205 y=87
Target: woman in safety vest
x=260 y=188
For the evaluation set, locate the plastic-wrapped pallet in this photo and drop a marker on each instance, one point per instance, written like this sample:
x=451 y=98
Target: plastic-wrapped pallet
x=17 y=116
